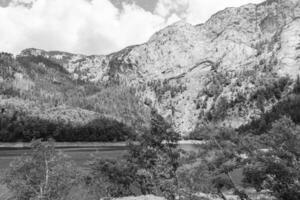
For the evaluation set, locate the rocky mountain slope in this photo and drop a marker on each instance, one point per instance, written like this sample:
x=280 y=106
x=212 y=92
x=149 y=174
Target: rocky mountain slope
x=227 y=71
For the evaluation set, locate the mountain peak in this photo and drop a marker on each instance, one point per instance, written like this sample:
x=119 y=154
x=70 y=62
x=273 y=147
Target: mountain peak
x=178 y=28
x=180 y=24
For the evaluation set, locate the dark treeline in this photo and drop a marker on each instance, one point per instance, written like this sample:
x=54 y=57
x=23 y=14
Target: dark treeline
x=20 y=127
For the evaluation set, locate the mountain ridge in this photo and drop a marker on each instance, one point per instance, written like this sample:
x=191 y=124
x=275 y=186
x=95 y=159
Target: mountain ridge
x=222 y=72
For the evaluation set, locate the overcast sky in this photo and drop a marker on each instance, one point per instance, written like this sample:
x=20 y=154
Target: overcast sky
x=95 y=26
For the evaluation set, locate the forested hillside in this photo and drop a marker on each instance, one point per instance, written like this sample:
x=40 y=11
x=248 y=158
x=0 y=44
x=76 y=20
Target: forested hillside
x=39 y=99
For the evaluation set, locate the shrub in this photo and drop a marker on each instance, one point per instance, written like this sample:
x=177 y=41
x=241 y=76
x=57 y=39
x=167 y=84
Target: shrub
x=111 y=178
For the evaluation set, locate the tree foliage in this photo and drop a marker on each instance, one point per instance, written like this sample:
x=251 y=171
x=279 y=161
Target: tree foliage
x=150 y=166
x=17 y=126
x=220 y=155
x=111 y=178
x=44 y=174
x=275 y=165
x=156 y=156
x=290 y=106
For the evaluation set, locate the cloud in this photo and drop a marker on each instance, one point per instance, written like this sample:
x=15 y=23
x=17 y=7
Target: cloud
x=167 y=8
x=94 y=26
x=200 y=11
x=81 y=26
x=196 y=11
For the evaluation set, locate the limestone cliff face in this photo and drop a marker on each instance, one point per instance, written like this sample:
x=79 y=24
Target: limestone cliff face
x=216 y=72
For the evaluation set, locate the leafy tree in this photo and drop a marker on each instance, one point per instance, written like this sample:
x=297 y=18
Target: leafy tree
x=157 y=158
x=149 y=168
x=275 y=165
x=43 y=174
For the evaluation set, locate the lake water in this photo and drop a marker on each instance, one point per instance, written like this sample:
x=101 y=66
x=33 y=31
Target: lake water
x=80 y=155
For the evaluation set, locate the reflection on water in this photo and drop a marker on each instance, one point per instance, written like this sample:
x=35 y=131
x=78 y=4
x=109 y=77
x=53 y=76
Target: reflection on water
x=80 y=155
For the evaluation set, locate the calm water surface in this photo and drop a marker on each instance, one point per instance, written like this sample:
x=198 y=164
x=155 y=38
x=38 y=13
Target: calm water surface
x=80 y=155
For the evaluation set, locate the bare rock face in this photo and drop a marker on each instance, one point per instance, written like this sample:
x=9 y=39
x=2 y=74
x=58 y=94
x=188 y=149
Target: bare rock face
x=289 y=54
x=209 y=73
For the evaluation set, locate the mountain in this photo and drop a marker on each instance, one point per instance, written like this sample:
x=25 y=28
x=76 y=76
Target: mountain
x=228 y=71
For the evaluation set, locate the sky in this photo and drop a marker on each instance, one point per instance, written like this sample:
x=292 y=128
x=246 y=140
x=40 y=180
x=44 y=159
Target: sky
x=96 y=26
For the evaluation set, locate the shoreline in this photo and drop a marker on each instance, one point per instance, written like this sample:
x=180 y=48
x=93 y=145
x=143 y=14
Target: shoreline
x=22 y=145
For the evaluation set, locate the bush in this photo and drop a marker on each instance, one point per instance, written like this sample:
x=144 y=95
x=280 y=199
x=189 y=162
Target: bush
x=111 y=178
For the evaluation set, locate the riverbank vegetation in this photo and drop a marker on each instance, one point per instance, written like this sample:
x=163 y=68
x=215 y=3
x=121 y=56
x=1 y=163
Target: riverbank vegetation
x=269 y=162
x=265 y=151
